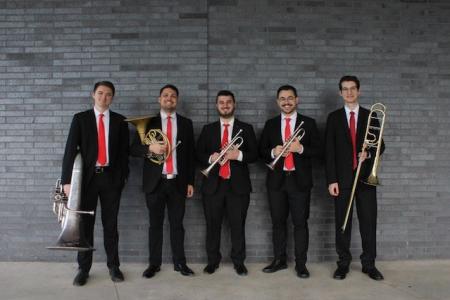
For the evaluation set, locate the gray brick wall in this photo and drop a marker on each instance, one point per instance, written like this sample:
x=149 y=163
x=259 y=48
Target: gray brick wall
x=51 y=53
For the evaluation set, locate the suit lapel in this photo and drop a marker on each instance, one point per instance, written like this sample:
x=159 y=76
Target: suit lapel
x=113 y=130
x=92 y=136
x=277 y=131
x=344 y=122
x=360 y=130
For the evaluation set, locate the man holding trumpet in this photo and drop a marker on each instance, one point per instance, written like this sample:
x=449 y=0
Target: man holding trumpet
x=289 y=177
x=225 y=148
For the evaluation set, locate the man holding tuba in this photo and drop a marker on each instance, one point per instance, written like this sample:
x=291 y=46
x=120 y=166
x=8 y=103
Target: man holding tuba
x=344 y=136
x=226 y=147
x=101 y=136
x=168 y=178
x=289 y=177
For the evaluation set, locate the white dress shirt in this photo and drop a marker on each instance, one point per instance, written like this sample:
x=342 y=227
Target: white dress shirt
x=173 y=118
x=106 y=123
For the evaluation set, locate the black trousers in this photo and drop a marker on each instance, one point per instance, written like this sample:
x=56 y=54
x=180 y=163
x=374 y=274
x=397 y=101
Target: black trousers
x=281 y=202
x=166 y=194
x=235 y=206
x=366 y=207
x=101 y=187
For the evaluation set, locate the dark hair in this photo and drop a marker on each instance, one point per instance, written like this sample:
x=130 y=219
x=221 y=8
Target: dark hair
x=349 y=78
x=170 y=86
x=225 y=93
x=107 y=84
x=287 y=87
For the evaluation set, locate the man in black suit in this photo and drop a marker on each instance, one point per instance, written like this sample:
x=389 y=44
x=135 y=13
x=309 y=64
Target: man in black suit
x=289 y=184
x=227 y=187
x=344 y=136
x=168 y=183
x=101 y=136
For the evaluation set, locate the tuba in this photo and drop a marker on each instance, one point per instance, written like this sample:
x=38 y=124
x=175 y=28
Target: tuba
x=68 y=212
x=151 y=137
x=372 y=139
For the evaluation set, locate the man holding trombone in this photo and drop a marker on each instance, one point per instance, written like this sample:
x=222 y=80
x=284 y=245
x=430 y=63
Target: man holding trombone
x=344 y=136
x=287 y=144
x=224 y=149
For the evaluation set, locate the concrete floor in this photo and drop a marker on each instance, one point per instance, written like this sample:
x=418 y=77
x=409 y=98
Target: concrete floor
x=411 y=280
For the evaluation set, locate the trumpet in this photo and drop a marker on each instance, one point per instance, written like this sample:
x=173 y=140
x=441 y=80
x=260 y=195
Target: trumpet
x=235 y=143
x=299 y=133
x=371 y=140
x=151 y=137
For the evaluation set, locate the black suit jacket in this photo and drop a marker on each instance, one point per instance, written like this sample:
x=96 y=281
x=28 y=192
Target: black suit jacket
x=338 y=144
x=152 y=172
x=271 y=137
x=209 y=142
x=83 y=138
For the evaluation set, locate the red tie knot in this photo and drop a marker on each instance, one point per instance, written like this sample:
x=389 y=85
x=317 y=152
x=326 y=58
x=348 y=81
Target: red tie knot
x=226 y=125
x=288 y=120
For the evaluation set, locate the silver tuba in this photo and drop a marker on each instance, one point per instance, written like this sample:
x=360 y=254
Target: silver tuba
x=69 y=214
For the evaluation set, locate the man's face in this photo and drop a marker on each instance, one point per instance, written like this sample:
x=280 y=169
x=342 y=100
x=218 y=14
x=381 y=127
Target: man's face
x=168 y=100
x=225 y=106
x=102 y=96
x=287 y=101
x=349 y=92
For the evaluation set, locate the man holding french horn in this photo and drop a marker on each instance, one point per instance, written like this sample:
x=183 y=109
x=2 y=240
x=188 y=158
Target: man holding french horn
x=287 y=144
x=346 y=166
x=168 y=177
x=224 y=149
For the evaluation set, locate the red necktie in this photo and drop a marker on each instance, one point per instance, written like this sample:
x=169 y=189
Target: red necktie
x=289 y=160
x=169 y=160
x=353 y=137
x=224 y=170
x=101 y=155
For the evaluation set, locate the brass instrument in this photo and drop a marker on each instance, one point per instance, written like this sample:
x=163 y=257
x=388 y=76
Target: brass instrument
x=235 y=143
x=68 y=212
x=299 y=133
x=151 y=137
x=372 y=139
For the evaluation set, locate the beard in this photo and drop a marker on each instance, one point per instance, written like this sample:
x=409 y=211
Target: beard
x=226 y=115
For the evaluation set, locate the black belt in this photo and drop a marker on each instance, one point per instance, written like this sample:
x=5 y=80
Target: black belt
x=99 y=170
x=289 y=173
x=168 y=176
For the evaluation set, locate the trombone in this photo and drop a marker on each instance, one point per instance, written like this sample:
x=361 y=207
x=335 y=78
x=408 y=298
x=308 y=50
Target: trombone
x=235 y=143
x=371 y=140
x=299 y=133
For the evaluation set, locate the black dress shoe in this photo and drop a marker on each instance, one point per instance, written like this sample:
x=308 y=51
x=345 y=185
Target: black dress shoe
x=340 y=273
x=302 y=271
x=276 y=265
x=151 y=271
x=373 y=273
x=240 y=269
x=116 y=274
x=183 y=269
x=81 y=278
x=211 y=268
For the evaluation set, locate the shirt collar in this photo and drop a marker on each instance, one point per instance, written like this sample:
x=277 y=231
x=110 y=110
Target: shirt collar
x=230 y=122
x=105 y=113
x=293 y=117
x=347 y=109
x=164 y=115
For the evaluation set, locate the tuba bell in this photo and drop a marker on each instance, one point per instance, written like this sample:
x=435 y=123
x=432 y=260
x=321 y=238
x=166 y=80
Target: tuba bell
x=151 y=137
x=69 y=214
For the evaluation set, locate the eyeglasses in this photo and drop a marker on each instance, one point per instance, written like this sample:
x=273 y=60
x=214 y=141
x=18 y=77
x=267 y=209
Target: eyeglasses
x=290 y=98
x=351 y=89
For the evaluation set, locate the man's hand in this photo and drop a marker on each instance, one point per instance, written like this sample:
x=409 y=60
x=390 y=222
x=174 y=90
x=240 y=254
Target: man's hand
x=232 y=154
x=333 y=189
x=158 y=148
x=295 y=146
x=213 y=157
x=362 y=156
x=190 y=191
x=277 y=150
x=66 y=189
